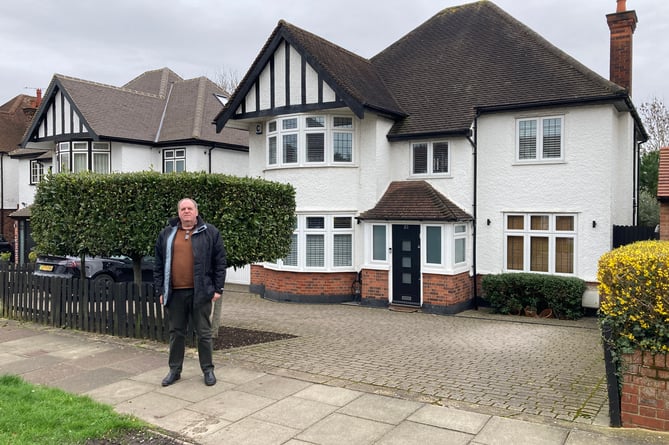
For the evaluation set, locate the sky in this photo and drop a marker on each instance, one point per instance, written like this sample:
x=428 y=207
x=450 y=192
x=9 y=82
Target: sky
x=112 y=42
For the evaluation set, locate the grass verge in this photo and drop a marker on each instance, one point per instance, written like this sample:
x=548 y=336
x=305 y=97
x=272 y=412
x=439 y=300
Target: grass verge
x=33 y=414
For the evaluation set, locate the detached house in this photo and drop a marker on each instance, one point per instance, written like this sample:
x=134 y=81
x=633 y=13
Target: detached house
x=157 y=121
x=470 y=146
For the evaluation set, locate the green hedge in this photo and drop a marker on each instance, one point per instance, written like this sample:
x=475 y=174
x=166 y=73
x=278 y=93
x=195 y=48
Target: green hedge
x=510 y=293
x=122 y=213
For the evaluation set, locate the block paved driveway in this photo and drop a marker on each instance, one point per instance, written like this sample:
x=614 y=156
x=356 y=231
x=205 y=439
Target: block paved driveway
x=502 y=365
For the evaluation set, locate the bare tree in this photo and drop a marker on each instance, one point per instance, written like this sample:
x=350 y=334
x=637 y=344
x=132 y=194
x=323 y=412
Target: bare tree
x=228 y=79
x=655 y=117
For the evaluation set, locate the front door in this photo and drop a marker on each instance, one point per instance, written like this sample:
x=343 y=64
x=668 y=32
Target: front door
x=406 y=264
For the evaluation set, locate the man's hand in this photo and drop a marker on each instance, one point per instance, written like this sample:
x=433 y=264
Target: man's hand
x=216 y=296
x=161 y=300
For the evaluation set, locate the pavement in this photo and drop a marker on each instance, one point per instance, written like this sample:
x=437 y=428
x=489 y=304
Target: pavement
x=351 y=375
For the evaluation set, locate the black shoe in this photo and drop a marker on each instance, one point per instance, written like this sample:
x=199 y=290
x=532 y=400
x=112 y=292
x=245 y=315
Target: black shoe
x=170 y=378
x=209 y=378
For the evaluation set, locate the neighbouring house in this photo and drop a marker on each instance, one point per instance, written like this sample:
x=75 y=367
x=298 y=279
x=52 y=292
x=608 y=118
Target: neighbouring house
x=470 y=146
x=157 y=121
x=15 y=117
x=663 y=192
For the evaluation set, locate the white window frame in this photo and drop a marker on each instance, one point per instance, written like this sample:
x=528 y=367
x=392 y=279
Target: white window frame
x=63 y=157
x=539 y=155
x=177 y=156
x=332 y=128
x=36 y=171
x=431 y=159
x=101 y=150
x=527 y=233
x=328 y=232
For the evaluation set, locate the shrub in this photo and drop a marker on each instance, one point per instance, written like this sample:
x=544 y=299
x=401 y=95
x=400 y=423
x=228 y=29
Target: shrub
x=634 y=292
x=509 y=293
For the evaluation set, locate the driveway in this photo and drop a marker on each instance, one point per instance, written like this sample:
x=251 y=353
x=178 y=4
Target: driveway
x=501 y=365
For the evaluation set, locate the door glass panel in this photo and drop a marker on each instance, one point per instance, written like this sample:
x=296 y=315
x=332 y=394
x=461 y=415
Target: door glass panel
x=406 y=278
x=406 y=246
x=406 y=261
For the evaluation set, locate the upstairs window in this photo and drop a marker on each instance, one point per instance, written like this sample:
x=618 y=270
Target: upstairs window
x=540 y=139
x=174 y=160
x=310 y=141
x=80 y=156
x=36 y=171
x=430 y=158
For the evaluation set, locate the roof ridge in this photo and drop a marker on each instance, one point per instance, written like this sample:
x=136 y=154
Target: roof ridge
x=105 y=85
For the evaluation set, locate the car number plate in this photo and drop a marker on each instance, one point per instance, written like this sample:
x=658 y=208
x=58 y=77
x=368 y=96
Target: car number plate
x=46 y=267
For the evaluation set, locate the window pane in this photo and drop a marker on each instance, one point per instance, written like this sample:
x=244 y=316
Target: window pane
x=343 y=122
x=101 y=146
x=539 y=222
x=169 y=166
x=271 y=127
x=552 y=138
x=433 y=242
x=289 y=124
x=460 y=228
x=419 y=158
x=342 y=222
x=379 y=243
x=79 y=162
x=101 y=162
x=565 y=223
x=180 y=165
x=514 y=252
x=316 y=122
x=440 y=157
x=515 y=222
x=342 y=250
x=272 y=150
x=289 y=148
x=315 y=147
x=291 y=259
x=460 y=247
x=342 y=144
x=564 y=255
x=527 y=139
x=539 y=254
x=315 y=250
x=315 y=222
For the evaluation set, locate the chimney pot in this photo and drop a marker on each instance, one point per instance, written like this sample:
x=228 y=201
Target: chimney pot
x=621 y=6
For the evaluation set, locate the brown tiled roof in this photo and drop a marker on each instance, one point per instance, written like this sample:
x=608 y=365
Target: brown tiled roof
x=415 y=200
x=155 y=107
x=477 y=55
x=354 y=79
x=14 y=121
x=663 y=175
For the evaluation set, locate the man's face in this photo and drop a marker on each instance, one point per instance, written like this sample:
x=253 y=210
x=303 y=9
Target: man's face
x=187 y=213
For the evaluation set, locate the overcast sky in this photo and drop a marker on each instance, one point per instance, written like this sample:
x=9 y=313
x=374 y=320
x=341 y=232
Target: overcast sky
x=112 y=42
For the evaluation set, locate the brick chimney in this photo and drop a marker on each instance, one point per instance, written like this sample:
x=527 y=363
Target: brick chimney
x=622 y=24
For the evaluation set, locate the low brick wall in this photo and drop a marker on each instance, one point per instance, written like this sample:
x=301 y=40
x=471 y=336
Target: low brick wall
x=645 y=392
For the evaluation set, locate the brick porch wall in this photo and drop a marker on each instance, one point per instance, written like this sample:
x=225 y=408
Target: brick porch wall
x=303 y=287
x=645 y=394
x=446 y=290
x=375 y=287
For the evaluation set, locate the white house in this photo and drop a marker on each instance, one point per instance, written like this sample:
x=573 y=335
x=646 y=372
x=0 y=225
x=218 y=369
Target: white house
x=157 y=121
x=470 y=146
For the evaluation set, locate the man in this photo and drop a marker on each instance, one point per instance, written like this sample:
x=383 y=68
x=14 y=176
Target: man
x=189 y=275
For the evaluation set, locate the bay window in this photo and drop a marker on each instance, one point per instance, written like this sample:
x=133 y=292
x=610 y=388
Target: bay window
x=79 y=156
x=174 y=160
x=310 y=140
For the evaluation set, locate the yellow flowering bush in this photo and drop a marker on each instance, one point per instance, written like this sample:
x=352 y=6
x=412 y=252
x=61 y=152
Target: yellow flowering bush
x=634 y=291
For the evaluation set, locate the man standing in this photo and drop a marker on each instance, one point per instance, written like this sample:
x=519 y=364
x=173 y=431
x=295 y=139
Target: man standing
x=189 y=275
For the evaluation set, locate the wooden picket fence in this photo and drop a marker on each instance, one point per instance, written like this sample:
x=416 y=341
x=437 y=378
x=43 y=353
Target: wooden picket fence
x=121 y=309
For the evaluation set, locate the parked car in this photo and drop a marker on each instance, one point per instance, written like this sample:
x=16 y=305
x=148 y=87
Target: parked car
x=101 y=270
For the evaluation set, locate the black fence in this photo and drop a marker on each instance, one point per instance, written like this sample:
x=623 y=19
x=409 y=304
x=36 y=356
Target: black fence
x=119 y=309
x=623 y=235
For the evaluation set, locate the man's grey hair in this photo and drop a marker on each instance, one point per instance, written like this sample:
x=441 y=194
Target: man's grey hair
x=186 y=199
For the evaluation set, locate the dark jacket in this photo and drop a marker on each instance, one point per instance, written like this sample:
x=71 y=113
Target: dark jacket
x=209 y=261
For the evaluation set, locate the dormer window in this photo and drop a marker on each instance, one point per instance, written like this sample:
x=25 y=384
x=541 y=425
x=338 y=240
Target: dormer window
x=317 y=140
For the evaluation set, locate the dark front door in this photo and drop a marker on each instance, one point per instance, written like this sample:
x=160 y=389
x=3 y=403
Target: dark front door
x=406 y=264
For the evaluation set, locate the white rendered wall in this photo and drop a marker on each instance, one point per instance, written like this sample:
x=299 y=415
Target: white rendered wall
x=593 y=171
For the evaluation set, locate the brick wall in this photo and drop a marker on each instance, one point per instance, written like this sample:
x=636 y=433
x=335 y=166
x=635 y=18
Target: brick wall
x=664 y=221
x=295 y=283
x=645 y=394
x=375 y=285
x=446 y=290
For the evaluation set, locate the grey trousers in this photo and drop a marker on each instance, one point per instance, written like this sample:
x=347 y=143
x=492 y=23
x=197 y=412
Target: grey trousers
x=180 y=312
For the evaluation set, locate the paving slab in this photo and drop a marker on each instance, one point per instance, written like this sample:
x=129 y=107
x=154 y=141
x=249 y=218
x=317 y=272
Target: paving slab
x=250 y=431
x=409 y=433
x=450 y=418
x=329 y=394
x=337 y=429
x=232 y=405
x=501 y=431
x=295 y=412
x=380 y=408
